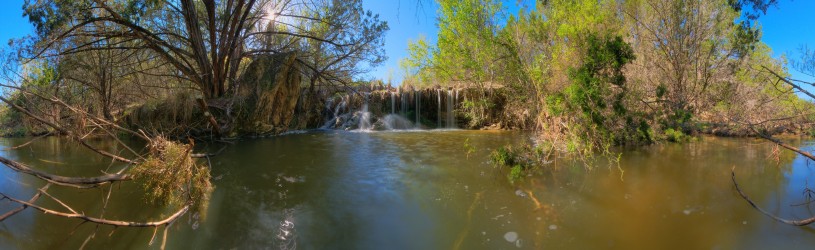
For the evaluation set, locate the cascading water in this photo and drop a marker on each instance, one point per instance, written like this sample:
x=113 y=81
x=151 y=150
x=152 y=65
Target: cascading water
x=337 y=116
x=455 y=100
x=365 y=118
x=393 y=102
x=438 y=110
x=351 y=112
x=394 y=122
x=451 y=118
x=403 y=108
x=418 y=106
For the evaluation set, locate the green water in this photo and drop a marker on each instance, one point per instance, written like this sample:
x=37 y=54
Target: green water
x=420 y=190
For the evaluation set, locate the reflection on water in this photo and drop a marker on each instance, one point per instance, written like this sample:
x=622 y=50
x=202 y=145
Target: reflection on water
x=419 y=190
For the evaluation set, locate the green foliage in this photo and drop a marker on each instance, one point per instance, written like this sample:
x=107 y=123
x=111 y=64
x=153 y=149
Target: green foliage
x=556 y=103
x=596 y=97
x=469 y=148
x=502 y=156
x=675 y=135
x=516 y=173
x=474 y=110
x=521 y=161
x=466 y=47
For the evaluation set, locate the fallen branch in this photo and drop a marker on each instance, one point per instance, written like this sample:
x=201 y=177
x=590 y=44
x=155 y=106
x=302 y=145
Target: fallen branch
x=65 y=132
x=782 y=144
x=79 y=182
x=803 y=222
x=23 y=207
x=117 y=223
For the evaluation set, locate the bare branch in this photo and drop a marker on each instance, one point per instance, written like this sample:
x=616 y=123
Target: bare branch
x=803 y=222
x=117 y=223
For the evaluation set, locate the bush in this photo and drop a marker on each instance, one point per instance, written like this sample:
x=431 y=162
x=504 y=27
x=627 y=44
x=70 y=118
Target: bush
x=516 y=173
x=502 y=156
x=520 y=161
x=673 y=135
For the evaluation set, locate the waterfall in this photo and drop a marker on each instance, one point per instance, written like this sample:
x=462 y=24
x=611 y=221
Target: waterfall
x=453 y=110
x=365 y=118
x=454 y=100
x=337 y=115
x=403 y=107
x=328 y=108
x=418 y=107
x=393 y=102
x=393 y=122
x=438 y=104
x=451 y=118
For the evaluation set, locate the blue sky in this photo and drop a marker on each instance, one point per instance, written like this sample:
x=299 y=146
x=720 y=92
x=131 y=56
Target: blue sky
x=785 y=27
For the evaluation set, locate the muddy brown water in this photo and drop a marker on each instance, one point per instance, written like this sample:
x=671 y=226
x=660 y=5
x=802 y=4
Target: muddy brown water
x=421 y=190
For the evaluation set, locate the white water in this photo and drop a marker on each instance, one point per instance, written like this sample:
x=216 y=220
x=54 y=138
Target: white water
x=438 y=106
x=393 y=102
x=396 y=122
x=418 y=97
x=347 y=116
x=451 y=117
x=365 y=118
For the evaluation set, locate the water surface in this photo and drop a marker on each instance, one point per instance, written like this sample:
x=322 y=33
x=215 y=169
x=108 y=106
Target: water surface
x=422 y=190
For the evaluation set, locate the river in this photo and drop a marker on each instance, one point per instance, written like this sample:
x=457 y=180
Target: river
x=422 y=190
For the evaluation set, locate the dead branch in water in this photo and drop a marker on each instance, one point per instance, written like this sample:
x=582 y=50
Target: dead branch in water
x=23 y=207
x=65 y=132
x=117 y=223
x=803 y=222
x=782 y=144
x=78 y=182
